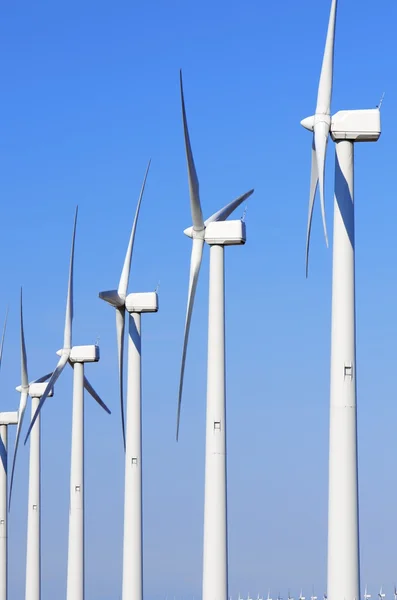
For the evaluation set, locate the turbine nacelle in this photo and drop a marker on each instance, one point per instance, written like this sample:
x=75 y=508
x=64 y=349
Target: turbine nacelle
x=9 y=418
x=143 y=302
x=35 y=390
x=356 y=125
x=224 y=233
x=82 y=354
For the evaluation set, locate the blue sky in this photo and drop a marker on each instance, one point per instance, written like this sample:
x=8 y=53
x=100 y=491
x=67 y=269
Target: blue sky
x=89 y=93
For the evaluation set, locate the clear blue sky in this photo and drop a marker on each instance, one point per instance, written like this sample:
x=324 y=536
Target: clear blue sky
x=89 y=93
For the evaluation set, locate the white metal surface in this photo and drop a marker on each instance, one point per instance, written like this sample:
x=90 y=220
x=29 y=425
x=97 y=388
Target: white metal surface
x=215 y=557
x=226 y=233
x=142 y=302
x=9 y=418
x=3 y=512
x=36 y=390
x=132 y=551
x=33 y=551
x=84 y=354
x=75 y=577
x=356 y=125
x=343 y=527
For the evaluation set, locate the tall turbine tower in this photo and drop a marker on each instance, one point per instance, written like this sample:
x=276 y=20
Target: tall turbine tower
x=77 y=356
x=346 y=128
x=6 y=419
x=135 y=304
x=218 y=233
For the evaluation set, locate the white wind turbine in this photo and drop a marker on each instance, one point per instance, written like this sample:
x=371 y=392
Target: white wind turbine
x=366 y=595
x=218 y=233
x=289 y=596
x=301 y=596
x=135 y=304
x=6 y=419
x=345 y=128
x=381 y=594
x=268 y=595
x=35 y=389
x=76 y=356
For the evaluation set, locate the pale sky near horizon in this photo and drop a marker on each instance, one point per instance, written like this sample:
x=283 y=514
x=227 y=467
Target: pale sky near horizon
x=90 y=91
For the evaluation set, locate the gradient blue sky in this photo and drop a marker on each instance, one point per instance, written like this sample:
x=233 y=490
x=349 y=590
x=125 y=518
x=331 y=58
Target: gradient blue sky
x=89 y=93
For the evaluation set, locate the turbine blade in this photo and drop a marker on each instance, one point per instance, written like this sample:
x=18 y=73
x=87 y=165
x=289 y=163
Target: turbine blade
x=313 y=188
x=96 y=396
x=58 y=370
x=24 y=366
x=195 y=205
x=325 y=83
x=120 y=327
x=21 y=414
x=67 y=338
x=125 y=274
x=321 y=132
x=195 y=263
x=227 y=210
x=2 y=337
x=42 y=379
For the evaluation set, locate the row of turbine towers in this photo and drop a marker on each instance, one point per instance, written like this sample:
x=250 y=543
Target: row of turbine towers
x=346 y=128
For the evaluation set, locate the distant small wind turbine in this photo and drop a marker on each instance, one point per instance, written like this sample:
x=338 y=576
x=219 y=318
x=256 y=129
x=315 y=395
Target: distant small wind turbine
x=313 y=597
x=366 y=595
x=289 y=596
x=218 y=233
x=268 y=595
x=77 y=355
x=381 y=594
x=301 y=596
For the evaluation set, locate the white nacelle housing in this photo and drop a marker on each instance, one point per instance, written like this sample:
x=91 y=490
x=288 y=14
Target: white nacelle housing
x=225 y=233
x=142 y=302
x=356 y=125
x=36 y=390
x=84 y=354
x=9 y=418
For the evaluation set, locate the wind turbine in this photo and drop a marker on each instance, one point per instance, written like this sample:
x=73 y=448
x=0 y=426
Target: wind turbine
x=301 y=597
x=135 y=304
x=381 y=594
x=76 y=356
x=35 y=389
x=395 y=592
x=289 y=596
x=268 y=595
x=346 y=128
x=218 y=233
x=6 y=419
x=366 y=595
x=313 y=596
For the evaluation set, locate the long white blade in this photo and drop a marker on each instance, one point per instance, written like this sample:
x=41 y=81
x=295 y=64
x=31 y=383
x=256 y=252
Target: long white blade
x=24 y=366
x=125 y=274
x=195 y=205
x=321 y=133
x=120 y=327
x=195 y=263
x=67 y=338
x=2 y=337
x=313 y=188
x=58 y=370
x=24 y=395
x=227 y=210
x=21 y=414
x=325 y=84
x=95 y=395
